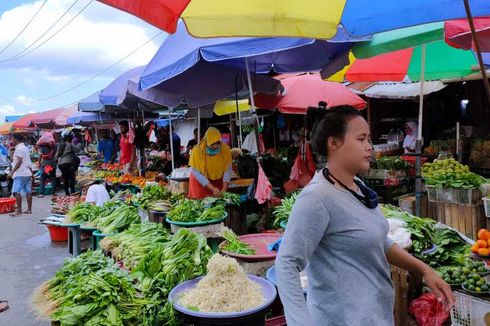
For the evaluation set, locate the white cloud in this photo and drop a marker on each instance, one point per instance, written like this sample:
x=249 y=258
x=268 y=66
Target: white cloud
x=7 y=109
x=97 y=38
x=22 y=99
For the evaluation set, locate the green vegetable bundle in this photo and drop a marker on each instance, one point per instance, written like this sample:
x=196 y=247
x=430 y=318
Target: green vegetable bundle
x=282 y=212
x=234 y=245
x=422 y=229
x=82 y=213
x=119 y=219
x=450 y=174
x=132 y=245
x=452 y=250
x=390 y=163
x=183 y=258
x=149 y=194
x=188 y=210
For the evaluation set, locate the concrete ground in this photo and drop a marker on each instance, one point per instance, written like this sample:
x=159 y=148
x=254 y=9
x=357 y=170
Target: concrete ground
x=27 y=258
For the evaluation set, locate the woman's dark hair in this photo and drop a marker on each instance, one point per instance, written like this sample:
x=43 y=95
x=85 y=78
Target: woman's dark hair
x=124 y=123
x=18 y=137
x=328 y=123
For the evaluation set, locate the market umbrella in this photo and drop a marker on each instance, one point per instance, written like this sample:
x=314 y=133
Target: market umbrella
x=89 y=118
x=304 y=91
x=53 y=118
x=6 y=128
x=228 y=107
x=457 y=33
x=441 y=62
x=311 y=19
x=25 y=121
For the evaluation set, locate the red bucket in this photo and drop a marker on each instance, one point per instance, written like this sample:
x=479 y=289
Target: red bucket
x=58 y=233
x=411 y=160
x=7 y=205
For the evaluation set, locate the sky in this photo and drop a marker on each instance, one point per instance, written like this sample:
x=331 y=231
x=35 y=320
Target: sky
x=96 y=39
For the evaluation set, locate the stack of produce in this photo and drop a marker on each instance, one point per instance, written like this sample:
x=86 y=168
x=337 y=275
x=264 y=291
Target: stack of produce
x=232 y=290
x=282 y=212
x=233 y=243
x=393 y=163
x=188 y=210
x=183 y=258
x=450 y=174
x=82 y=213
x=451 y=249
x=440 y=146
x=132 y=245
x=118 y=220
x=112 y=167
x=63 y=204
x=150 y=194
x=106 y=174
x=482 y=244
x=90 y=290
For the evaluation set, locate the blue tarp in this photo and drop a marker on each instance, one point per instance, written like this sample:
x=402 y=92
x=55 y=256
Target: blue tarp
x=364 y=17
x=82 y=118
x=185 y=67
x=12 y=118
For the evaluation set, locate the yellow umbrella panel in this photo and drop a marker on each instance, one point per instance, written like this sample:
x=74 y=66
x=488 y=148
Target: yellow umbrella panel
x=228 y=107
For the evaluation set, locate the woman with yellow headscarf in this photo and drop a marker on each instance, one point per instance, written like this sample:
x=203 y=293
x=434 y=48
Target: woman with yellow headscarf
x=211 y=166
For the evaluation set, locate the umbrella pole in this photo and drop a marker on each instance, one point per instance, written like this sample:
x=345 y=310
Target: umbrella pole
x=418 y=160
x=252 y=109
x=198 y=125
x=486 y=84
x=238 y=113
x=171 y=138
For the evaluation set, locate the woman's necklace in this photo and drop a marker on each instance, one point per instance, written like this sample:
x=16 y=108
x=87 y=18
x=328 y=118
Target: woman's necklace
x=343 y=185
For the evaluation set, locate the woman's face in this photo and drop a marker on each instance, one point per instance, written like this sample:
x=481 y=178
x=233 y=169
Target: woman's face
x=355 y=150
x=408 y=130
x=215 y=146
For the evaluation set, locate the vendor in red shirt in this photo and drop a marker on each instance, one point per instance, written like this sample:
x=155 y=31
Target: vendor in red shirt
x=127 y=153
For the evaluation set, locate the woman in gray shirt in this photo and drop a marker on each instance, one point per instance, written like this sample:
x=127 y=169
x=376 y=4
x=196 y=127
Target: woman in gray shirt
x=339 y=235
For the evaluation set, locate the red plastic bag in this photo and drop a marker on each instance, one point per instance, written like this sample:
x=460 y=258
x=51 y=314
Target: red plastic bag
x=428 y=311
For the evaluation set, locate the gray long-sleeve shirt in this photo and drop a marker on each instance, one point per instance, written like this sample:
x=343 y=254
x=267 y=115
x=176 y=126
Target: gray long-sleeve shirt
x=342 y=244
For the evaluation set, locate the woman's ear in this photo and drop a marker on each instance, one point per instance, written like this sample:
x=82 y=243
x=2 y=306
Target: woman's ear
x=333 y=144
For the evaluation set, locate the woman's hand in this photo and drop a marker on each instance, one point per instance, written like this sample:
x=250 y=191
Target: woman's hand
x=441 y=289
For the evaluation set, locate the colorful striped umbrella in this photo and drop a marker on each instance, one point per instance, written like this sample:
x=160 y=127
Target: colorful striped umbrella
x=458 y=34
x=442 y=62
x=311 y=19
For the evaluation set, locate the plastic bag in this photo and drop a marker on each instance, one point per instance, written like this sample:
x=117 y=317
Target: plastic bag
x=428 y=311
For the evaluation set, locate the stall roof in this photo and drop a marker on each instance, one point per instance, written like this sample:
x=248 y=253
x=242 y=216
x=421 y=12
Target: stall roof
x=395 y=90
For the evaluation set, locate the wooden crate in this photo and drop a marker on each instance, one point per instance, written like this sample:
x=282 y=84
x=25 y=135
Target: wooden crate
x=400 y=283
x=467 y=219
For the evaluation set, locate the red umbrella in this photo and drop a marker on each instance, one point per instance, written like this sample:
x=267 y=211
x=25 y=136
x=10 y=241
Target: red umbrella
x=48 y=119
x=304 y=91
x=458 y=33
x=25 y=121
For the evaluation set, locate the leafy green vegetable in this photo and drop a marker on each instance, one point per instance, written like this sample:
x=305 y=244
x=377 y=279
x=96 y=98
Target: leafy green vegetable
x=151 y=193
x=282 y=212
x=119 y=220
x=422 y=229
x=82 y=213
x=188 y=210
x=451 y=250
x=450 y=174
x=235 y=245
x=390 y=163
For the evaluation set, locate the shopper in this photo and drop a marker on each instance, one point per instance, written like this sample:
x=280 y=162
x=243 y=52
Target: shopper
x=211 y=166
x=47 y=166
x=193 y=142
x=410 y=141
x=106 y=147
x=127 y=155
x=95 y=193
x=337 y=232
x=68 y=161
x=21 y=174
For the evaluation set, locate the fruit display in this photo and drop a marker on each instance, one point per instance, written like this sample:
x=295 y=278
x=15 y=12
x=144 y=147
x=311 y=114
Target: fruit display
x=127 y=179
x=437 y=146
x=450 y=173
x=482 y=244
x=475 y=283
x=105 y=174
x=112 y=166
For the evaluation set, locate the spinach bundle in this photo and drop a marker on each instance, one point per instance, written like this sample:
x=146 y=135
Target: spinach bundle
x=133 y=244
x=451 y=250
x=152 y=193
x=82 y=213
x=168 y=264
x=282 y=212
x=422 y=229
x=188 y=210
x=234 y=245
x=118 y=220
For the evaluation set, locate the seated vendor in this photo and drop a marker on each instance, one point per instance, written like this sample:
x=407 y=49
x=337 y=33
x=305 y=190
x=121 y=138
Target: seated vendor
x=211 y=167
x=95 y=193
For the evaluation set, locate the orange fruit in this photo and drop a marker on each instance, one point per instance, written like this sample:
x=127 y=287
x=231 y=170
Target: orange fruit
x=482 y=243
x=483 y=252
x=483 y=234
x=488 y=241
x=474 y=248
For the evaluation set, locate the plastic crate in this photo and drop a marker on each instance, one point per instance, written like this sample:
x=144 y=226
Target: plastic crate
x=432 y=194
x=469 y=310
x=486 y=204
x=466 y=196
x=446 y=195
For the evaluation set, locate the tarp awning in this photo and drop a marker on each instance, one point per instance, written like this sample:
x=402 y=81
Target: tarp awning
x=400 y=91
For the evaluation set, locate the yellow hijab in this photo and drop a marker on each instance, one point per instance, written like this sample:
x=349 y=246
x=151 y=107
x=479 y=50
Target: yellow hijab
x=212 y=167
